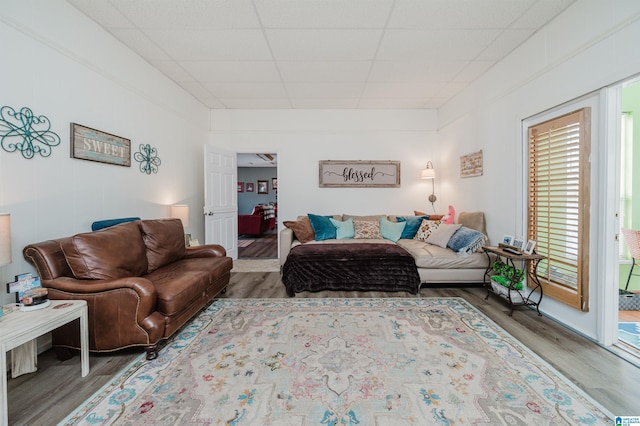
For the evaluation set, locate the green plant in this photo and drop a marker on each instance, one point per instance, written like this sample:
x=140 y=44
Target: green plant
x=506 y=274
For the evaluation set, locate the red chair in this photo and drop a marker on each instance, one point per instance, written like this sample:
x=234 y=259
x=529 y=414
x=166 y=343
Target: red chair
x=254 y=223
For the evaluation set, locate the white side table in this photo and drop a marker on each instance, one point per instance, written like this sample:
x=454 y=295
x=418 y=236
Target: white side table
x=20 y=327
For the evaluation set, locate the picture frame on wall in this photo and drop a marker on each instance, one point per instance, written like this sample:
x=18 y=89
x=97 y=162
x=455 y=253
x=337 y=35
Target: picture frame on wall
x=248 y=187
x=274 y=183
x=240 y=186
x=263 y=187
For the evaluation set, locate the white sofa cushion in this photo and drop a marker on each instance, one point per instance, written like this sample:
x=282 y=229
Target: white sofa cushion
x=434 y=257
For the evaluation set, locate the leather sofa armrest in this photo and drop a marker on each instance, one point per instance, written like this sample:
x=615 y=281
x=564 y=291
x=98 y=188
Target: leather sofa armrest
x=207 y=250
x=286 y=239
x=140 y=288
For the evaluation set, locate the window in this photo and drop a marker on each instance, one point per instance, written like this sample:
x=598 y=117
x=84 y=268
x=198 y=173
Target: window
x=558 y=206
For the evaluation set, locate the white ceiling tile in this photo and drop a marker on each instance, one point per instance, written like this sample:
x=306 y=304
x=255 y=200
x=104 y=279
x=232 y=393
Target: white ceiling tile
x=140 y=43
x=266 y=103
x=324 y=90
x=437 y=45
x=473 y=70
x=542 y=12
x=320 y=53
x=401 y=90
x=172 y=14
x=103 y=13
x=232 y=71
x=316 y=71
x=246 y=90
x=408 y=71
x=504 y=44
x=323 y=45
x=324 y=13
x=387 y=103
x=222 y=45
x=462 y=14
x=173 y=70
x=325 y=103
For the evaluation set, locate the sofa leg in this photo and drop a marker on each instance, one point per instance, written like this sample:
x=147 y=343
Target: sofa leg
x=62 y=353
x=224 y=290
x=152 y=352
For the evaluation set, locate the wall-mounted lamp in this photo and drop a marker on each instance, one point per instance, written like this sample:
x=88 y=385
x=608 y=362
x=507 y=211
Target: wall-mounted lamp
x=430 y=173
x=5 y=239
x=181 y=211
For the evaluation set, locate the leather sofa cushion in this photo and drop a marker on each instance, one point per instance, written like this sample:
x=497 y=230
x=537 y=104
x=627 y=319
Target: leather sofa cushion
x=177 y=289
x=114 y=252
x=164 y=239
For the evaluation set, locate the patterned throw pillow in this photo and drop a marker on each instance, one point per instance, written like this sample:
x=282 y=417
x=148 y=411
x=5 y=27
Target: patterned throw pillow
x=367 y=229
x=426 y=228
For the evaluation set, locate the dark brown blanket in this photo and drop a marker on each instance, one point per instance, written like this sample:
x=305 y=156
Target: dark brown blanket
x=361 y=267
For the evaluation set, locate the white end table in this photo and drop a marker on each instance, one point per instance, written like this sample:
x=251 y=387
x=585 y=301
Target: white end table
x=17 y=328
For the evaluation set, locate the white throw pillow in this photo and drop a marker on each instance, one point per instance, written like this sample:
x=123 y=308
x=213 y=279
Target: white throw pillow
x=440 y=237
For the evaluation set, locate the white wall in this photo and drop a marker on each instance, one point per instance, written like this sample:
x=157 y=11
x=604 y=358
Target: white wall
x=591 y=45
x=62 y=65
x=303 y=137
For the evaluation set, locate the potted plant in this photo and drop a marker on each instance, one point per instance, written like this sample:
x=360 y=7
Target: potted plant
x=506 y=279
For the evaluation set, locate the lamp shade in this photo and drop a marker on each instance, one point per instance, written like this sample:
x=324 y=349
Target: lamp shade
x=181 y=211
x=5 y=238
x=428 y=172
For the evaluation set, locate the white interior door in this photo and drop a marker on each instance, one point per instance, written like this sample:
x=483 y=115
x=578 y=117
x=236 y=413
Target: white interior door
x=221 y=199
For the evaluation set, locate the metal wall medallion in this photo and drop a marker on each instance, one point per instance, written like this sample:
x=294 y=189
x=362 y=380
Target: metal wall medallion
x=148 y=159
x=24 y=132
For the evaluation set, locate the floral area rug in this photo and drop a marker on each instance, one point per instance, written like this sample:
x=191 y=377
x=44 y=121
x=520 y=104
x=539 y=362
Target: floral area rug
x=341 y=362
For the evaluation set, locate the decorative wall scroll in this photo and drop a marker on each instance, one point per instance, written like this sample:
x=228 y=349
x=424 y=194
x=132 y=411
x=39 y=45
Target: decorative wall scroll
x=364 y=174
x=22 y=131
x=148 y=159
x=94 y=145
x=471 y=164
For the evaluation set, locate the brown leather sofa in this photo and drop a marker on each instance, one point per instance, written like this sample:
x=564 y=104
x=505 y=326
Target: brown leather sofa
x=140 y=281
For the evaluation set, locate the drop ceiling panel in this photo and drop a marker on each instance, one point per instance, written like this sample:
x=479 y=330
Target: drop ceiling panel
x=194 y=14
x=460 y=14
x=324 y=13
x=322 y=53
x=232 y=71
x=437 y=45
x=325 y=45
x=318 y=71
x=223 y=45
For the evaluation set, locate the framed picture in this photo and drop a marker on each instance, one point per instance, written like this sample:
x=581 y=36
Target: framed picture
x=528 y=248
x=508 y=240
x=263 y=187
x=95 y=145
x=240 y=186
x=519 y=243
x=248 y=187
x=274 y=183
x=364 y=174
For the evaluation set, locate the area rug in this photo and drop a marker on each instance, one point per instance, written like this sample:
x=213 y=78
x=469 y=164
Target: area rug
x=341 y=362
x=256 y=265
x=629 y=332
x=245 y=243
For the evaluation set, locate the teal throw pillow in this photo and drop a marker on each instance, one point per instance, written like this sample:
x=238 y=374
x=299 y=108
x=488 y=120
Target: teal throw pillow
x=413 y=224
x=391 y=230
x=322 y=227
x=344 y=230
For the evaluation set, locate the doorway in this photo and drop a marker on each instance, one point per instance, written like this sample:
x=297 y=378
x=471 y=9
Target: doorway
x=629 y=285
x=257 y=206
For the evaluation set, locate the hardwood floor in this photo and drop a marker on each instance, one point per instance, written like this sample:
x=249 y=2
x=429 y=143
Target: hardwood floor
x=50 y=394
x=264 y=246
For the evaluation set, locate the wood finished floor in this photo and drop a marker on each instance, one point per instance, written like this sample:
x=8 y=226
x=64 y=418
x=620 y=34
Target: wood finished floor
x=50 y=394
x=264 y=246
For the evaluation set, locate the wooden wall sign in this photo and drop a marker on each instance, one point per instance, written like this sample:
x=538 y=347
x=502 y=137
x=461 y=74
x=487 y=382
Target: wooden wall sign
x=471 y=164
x=94 y=145
x=355 y=174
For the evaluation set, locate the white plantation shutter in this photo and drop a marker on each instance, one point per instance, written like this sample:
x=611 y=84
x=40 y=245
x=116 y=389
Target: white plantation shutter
x=558 y=210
